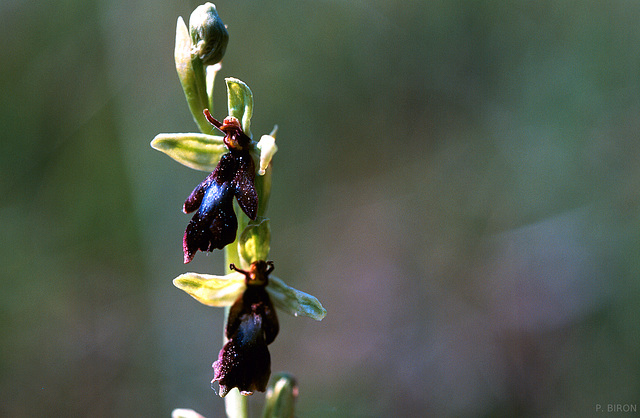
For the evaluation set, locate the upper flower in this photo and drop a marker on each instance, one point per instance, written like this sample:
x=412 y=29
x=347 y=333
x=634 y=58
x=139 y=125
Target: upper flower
x=214 y=224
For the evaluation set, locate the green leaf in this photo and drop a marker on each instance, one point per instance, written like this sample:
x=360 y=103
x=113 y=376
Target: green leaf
x=254 y=241
x=293 y=301
x=212 y=290
x=240 y=102
x=191 y=74
x=197 y=151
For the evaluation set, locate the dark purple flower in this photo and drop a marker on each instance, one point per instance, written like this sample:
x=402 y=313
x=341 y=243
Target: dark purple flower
x=244 y=361
x=214 y=224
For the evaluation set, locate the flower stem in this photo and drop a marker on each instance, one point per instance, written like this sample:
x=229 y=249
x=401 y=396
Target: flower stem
x=236 y=404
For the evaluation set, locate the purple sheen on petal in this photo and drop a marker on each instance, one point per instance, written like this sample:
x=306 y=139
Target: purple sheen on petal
x=195 y=198
x=244 y=363
x=214 y=225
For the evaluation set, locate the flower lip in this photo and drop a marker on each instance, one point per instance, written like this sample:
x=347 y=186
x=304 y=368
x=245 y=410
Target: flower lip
x=214 y=224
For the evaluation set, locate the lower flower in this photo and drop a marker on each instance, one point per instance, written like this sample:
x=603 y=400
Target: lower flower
x=244 y=361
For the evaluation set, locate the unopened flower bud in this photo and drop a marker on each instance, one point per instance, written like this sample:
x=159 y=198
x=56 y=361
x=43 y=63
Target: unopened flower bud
x=281 y=397
x=208 y=34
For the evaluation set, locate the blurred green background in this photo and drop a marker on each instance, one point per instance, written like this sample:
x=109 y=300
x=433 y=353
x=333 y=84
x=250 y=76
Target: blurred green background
x=456 y=181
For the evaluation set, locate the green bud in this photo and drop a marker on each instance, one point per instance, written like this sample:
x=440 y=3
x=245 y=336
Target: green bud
x=254 y=241
x=198 y=151
x=208 y=34
x=281 y=397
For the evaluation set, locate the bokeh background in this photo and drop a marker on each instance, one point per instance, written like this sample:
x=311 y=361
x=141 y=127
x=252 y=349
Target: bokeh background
x=456 y=181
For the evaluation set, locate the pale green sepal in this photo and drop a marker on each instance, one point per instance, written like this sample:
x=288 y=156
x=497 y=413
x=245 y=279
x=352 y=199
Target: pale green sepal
x=197 y=151
x=192 y=79
x=240 y=102
x=281 y=397
x=185 y=413
x=267 y=147
x=293 y=301
x=254 y=241
x=212 y=290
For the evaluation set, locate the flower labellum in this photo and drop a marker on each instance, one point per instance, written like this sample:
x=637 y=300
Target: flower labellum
x=244 y=362
x=214 y=224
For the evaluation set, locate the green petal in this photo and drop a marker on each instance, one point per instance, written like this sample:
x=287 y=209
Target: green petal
x=293 y=301
x=254 y=241
x=240 y=102
x=212 y=290
x=197 y=151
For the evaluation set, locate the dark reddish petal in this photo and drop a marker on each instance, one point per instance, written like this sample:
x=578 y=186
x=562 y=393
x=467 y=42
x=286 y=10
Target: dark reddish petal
x=244 y=364
x=254 y=300
x=243 y=182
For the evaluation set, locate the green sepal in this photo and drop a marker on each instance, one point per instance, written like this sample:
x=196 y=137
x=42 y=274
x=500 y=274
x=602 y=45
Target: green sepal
x=254 y=242
x=293 y=301
x=212 y=290
x=197 y=151
x=191 y=74
x=281 y=397
x=240 y=103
